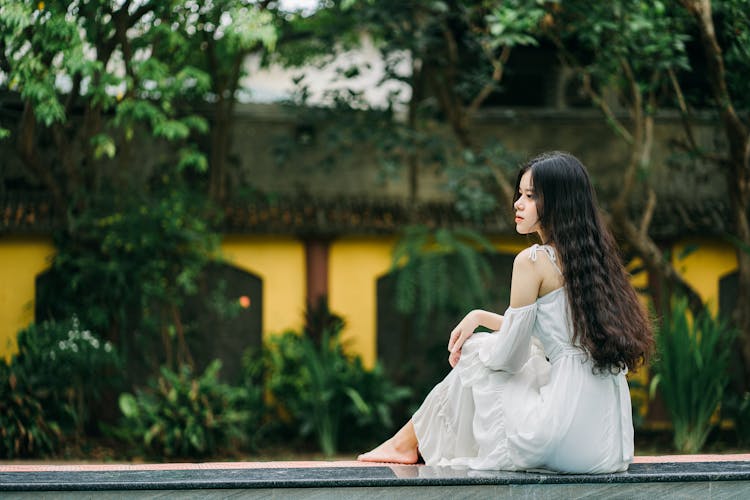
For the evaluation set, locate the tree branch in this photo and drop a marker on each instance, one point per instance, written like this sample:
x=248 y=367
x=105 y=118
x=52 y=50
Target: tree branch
x=618 y=127
x=737 y=133
x=498 y=66
x=506 y=189
x=684 y=111
x=573 y=63
x=652 y=256
x=451 y=107
x=637 y=150
x=648 y=214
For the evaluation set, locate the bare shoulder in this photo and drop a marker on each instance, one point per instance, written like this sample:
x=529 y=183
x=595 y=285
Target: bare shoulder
x=523 y=262
x=526 y=280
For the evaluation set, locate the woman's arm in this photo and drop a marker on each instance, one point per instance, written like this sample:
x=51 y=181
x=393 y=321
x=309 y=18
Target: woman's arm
x=524 y=290
x=466 y=328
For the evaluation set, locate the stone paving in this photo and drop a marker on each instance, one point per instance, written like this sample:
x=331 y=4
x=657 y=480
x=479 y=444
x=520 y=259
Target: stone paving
x=683 y=476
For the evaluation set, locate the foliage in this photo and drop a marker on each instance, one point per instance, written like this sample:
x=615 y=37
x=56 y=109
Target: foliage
x=737 y=407
x=440 y=270
x=318 y=390
x=645 y=35
x=442 y=61
x=183 y=415
x=692 y=371
x=735 y=15
x=25 y=429
x=89 y=76
x=128 y=266
x=48 y=387
x=472 y=179
x=216 y=38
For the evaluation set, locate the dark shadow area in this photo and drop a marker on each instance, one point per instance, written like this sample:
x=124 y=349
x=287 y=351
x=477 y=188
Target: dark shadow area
x=221 y=320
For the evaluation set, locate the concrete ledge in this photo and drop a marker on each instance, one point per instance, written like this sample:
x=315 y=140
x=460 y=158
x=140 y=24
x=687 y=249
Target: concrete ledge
x=723 y=476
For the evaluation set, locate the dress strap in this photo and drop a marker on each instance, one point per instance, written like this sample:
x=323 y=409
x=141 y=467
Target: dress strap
x=550 y=253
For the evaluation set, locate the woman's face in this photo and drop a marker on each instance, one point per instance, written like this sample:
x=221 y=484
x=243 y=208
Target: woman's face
x=527 y=219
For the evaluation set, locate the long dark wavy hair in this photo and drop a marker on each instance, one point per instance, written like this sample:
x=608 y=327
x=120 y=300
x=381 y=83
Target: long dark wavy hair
x=608 y=320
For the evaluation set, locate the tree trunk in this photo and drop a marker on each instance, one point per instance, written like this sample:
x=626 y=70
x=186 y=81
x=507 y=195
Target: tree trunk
x=217 y=189
x=28 y=152
x=737 y=166
x=653 y=257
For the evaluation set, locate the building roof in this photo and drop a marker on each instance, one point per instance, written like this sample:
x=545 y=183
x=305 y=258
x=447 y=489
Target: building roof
x=34 y=214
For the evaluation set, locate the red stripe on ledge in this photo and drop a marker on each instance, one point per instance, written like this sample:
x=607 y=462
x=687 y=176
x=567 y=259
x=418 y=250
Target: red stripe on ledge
x=42 y=467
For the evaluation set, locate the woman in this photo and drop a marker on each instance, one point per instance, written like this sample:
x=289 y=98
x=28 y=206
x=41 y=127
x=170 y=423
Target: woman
x=547 y=389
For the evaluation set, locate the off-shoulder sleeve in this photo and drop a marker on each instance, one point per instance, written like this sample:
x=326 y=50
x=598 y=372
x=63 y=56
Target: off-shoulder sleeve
x=510 y=348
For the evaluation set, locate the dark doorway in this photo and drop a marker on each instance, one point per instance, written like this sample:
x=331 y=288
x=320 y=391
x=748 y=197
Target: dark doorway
x=224 y=318
x=418 y=358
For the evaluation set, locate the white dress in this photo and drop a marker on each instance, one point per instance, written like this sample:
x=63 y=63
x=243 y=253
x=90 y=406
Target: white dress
x=526 y=398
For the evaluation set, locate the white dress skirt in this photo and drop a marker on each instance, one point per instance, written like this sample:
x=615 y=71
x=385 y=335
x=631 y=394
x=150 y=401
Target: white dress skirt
x=526 y=398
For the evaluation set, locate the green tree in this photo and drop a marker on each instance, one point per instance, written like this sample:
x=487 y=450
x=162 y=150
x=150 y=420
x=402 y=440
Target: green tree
x=631 y=52
x=638 y=51
x=724 y=35
x=217 y=37
x=451 y=56
x=96 y=73
x=96 y=81
x=89 y=79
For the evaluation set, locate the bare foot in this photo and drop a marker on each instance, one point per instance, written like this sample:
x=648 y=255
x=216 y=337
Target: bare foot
x=391 y=453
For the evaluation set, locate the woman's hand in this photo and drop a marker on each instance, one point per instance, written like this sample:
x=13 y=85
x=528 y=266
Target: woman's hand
x=453 y=358
x=463 y=331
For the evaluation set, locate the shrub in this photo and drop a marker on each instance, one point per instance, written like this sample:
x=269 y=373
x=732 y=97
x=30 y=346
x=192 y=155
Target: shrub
x=25 y=431
x=319 y=391
x=182 y=415
x=692 y=371
x=127 y=268
x=49 y=385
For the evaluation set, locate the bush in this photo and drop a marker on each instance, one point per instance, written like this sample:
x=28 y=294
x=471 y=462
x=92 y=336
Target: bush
x=316 y=390
x=127 y=267
x=49 y=385
x=25 y=431
x=692 y=372
x=182 y=415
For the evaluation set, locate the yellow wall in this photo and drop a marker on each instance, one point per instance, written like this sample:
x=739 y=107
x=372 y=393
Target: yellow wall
x=703 y=268
x=355 y=264
x=280 y=263
x=21 y=259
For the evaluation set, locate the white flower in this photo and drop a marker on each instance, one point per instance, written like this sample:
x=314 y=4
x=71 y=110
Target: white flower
x=61 y=345
x=107 y=346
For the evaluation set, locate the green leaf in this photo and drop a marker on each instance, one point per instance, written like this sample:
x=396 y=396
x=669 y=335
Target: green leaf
x=103 y=145
x=128 y=405
x=359 y=403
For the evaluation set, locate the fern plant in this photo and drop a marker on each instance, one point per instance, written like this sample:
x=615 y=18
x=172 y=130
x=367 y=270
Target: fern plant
x=443 y=269
x=692 y=371
x=319 y=391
